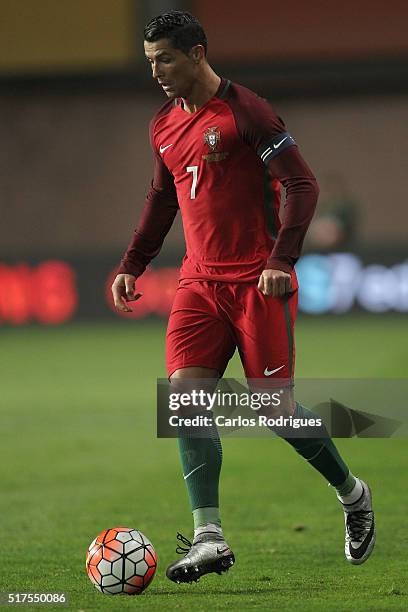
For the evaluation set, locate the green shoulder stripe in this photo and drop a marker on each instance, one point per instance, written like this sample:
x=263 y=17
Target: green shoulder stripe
x=224 y=91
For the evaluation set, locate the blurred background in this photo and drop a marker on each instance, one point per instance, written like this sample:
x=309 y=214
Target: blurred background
x=79 y=451
x=76 y=97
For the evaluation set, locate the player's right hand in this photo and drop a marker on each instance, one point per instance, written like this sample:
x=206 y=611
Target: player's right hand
x=123 y=291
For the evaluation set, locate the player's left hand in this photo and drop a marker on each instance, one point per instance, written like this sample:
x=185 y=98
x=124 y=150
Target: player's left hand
x=274 y=282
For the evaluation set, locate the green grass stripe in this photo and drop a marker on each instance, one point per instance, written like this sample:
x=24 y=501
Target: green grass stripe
x=79 y=454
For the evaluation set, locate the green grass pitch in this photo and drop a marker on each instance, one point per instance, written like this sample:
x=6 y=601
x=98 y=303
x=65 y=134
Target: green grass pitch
x=79 y=454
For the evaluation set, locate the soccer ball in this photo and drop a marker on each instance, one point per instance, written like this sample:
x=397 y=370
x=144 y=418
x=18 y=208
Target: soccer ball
x=121 y=560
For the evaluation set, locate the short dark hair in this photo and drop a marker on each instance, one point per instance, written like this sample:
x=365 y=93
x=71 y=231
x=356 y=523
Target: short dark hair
x=181 y=28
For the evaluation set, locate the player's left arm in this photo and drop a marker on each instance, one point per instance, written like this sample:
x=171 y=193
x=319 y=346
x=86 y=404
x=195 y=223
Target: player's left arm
x=266 y=133
x=302 y=192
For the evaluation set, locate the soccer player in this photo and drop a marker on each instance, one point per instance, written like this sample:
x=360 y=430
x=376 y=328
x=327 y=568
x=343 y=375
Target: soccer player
x=220 y=155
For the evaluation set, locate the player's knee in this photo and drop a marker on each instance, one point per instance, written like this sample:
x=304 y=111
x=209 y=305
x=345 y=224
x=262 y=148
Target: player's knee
x=194 y=388
x=195 y=373
x=277 y=403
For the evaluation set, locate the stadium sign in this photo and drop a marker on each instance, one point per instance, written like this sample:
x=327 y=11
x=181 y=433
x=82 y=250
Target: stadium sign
x=338 y=282
x=52 y=292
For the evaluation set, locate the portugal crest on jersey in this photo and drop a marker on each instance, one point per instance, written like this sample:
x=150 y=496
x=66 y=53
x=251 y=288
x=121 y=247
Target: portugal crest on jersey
x=212 y=137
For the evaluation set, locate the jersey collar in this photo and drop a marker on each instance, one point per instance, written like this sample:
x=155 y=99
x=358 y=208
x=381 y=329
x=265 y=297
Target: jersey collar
x=220 y=93
x=223 y=88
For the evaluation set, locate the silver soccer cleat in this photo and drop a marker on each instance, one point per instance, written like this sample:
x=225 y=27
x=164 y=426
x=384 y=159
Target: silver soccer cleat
x=208 y=553
x=360 y=528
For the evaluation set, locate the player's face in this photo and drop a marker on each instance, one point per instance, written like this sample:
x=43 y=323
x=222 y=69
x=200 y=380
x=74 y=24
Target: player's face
x=173 y=70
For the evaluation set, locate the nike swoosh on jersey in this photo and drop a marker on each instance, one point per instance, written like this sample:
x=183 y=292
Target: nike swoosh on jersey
x=270 y=372
x=276 y=146
x=162 y=149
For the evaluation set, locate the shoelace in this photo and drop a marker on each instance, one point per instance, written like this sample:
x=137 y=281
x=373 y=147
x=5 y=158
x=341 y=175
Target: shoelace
x=183 y=550
x=357 y=523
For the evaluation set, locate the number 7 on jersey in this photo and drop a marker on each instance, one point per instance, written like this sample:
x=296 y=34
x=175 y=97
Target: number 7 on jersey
x=194 y=170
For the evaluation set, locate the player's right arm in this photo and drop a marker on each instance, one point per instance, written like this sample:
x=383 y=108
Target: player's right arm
x=158 y=214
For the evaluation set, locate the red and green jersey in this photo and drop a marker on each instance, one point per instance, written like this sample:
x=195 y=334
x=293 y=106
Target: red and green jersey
x=222 y=167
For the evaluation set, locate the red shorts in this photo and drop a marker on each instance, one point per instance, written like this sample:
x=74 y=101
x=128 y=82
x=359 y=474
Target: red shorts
x=209 y=320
